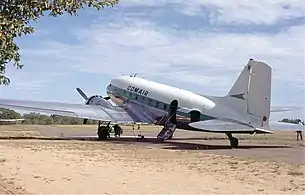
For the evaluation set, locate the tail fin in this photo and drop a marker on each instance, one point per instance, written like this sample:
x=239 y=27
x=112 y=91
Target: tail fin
x=251 y=93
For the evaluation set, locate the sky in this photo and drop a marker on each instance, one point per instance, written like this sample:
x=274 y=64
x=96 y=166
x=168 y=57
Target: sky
x=200 y=46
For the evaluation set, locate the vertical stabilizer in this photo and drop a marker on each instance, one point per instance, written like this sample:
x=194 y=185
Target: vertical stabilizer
x=251 y=93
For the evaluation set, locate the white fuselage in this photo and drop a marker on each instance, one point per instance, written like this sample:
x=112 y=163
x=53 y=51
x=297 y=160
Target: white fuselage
x=142 y=88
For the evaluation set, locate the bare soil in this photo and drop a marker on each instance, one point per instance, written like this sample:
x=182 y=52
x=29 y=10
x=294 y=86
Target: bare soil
x=34 y=160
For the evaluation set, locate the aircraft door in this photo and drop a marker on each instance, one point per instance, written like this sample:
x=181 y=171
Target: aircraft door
x=173 y=106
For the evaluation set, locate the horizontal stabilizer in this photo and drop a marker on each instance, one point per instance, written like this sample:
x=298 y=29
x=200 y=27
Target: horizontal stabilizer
x=284 y=108
x=274 y=125
x=225 y=126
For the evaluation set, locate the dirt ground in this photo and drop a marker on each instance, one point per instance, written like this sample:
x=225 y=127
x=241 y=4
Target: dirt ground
x=34 y=160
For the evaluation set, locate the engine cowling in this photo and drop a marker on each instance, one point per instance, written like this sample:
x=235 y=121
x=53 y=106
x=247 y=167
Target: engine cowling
x=94 y=100
x=195 y=116
x=99 y=100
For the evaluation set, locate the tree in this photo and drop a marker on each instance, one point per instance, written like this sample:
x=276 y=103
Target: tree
x=15 y=18
x=9 y=114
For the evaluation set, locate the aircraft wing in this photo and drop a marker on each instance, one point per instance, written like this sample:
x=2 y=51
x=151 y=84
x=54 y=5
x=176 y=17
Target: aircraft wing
x=220 y=126
x=11 y=120
x=95 y=112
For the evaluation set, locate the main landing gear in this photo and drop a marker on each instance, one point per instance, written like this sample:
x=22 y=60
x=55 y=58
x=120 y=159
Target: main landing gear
x=233 y=140
x=103 y=131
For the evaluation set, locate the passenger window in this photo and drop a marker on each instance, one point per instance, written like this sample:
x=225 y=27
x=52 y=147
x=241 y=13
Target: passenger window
x=146 y=101
x=165 y=107
x=157 y=104
x=160 y=105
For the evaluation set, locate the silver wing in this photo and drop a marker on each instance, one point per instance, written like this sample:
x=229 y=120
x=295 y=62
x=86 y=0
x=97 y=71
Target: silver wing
x=11 y=120
x=95 y=112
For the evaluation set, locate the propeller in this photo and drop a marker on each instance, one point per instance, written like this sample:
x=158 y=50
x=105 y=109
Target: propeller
x=87 y=100
x=82 y=93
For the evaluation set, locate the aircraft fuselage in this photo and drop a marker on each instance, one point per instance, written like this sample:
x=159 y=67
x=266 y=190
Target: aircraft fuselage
x=144 y=98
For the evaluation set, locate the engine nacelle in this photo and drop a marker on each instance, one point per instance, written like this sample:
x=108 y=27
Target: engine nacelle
x=195 y=116
x=98 y=100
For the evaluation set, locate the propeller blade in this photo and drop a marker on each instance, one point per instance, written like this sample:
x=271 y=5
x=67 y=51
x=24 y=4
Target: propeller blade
x=82 y=93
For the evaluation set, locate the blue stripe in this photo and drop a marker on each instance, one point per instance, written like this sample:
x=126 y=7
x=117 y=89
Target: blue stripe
x=116 y=91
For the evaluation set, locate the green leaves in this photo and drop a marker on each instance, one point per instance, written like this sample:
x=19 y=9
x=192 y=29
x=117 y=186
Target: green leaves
x=15 y=16
x=9 y=114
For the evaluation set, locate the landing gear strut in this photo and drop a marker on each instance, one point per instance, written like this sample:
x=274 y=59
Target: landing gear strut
x=103 y=131
x=233 y=140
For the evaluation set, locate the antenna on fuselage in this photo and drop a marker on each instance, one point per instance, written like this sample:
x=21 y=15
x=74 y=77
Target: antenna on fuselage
x=132 y=75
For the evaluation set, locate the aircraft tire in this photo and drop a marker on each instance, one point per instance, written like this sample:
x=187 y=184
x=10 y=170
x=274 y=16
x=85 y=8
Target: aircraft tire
x=102 y=133
x=234 y=142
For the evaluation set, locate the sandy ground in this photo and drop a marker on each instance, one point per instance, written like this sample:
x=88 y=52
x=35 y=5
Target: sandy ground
x=192 y=163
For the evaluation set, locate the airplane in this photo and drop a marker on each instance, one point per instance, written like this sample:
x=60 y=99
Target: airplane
x=245 y=109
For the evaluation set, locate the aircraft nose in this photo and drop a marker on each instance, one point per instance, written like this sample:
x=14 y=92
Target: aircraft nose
x=109 y=89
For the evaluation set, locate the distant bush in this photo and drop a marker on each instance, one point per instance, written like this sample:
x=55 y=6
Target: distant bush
x=9 y=114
